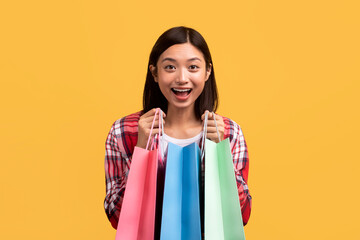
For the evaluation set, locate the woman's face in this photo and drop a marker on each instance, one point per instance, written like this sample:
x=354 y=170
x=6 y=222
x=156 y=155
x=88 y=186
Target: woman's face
x=181 y=74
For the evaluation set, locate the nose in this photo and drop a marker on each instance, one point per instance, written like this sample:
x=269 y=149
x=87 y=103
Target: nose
x=182 y=77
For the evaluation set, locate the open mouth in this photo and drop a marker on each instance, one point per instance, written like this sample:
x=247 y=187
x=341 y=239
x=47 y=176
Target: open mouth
x=181 y=92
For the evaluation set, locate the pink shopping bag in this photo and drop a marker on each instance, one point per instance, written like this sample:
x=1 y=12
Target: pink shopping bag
x=137 y=216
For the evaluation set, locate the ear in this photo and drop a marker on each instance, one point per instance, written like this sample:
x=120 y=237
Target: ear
x=153 y=71
x=208 y=72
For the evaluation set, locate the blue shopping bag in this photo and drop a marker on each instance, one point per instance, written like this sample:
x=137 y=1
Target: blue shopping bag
x=181 y=204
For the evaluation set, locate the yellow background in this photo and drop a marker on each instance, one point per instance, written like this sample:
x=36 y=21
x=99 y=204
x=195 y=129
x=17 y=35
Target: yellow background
x=287 y=71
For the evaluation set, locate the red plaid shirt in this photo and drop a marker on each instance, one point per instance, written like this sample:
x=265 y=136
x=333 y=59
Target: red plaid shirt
x=120 y=144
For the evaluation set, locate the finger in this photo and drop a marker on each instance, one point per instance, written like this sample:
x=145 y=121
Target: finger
x=211 y=123
x=149 y=124
x=215 y=116
x=164 y=114
x=219 y=118
x=146 y=119
x=213 y=130
x=154 y=131
x=145 y=122
x=218 y=122
x=156 y=123
x=151 y=112
x=203 y=116
x=212 y=137
x=150 y=118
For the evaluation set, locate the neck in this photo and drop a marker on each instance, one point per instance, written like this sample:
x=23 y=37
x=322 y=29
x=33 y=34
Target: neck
x=181 y=117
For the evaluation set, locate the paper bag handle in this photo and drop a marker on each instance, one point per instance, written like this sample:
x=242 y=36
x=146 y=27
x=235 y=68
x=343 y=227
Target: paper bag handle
x=205 y=132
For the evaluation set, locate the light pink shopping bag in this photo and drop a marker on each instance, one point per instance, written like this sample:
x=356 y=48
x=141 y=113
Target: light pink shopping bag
x=137 y=216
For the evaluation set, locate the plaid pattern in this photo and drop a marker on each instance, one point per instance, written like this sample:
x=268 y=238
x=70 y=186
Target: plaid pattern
x=119 y=147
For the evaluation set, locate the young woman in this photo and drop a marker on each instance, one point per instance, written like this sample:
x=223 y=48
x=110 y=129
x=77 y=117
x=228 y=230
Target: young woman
x=181 y=82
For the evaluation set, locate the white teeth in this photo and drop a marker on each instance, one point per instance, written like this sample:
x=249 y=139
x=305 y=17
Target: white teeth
x=182 y=90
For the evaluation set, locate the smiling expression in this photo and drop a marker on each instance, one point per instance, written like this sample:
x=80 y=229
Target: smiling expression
x=181 y=74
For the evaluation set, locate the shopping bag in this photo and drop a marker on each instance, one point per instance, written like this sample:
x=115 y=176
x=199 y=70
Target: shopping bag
x=181 y=204
x=223 y=218
x=137 y=216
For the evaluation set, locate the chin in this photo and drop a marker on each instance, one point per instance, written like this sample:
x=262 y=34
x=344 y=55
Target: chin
x=182 y=105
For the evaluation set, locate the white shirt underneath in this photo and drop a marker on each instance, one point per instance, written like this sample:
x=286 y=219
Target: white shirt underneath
x=181 y=142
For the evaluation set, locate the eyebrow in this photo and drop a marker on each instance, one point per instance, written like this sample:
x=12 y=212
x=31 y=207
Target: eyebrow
x=173 y=60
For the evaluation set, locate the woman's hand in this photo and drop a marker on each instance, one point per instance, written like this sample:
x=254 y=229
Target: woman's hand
x=144 y=127
x=211 y=128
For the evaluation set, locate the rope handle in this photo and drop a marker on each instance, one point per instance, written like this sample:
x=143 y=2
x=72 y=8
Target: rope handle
x=205 y=132
x=152 y=126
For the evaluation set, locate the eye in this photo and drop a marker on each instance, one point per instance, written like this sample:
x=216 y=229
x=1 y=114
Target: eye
x=193 y=67
x=171 y=67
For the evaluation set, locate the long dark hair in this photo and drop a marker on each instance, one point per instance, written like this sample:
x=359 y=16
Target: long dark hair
x=153 y=97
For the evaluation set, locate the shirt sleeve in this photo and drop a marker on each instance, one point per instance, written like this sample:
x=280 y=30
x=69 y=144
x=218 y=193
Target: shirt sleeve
x=116 y=169
x=241 y=164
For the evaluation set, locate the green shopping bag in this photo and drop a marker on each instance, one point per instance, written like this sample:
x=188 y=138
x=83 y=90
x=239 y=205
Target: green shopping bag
x=223 y=218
